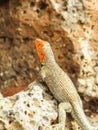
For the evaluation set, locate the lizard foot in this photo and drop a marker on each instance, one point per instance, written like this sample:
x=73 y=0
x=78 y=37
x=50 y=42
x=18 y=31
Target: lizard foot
x=58 y=127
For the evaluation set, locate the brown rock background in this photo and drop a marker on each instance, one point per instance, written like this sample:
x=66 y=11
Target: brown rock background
x=20 y=24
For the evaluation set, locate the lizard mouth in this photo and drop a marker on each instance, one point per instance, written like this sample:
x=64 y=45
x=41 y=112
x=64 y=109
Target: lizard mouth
x=39 y=46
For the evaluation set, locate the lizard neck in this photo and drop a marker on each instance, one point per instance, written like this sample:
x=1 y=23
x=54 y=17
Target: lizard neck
x=50 y=64
x=49 y=61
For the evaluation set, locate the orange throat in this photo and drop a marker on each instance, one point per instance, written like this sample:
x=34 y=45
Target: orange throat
x=39 y=46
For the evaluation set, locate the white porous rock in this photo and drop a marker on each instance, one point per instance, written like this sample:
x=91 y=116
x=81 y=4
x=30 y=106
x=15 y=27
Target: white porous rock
x=31 y=109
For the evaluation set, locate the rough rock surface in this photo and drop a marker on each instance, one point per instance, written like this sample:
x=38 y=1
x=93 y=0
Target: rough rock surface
x=33 y=109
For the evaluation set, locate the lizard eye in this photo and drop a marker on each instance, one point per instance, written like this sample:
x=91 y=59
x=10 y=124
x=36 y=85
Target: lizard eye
x=40 y=45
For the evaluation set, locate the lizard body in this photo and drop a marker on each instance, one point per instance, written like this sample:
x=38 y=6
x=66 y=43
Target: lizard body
x=60 y=84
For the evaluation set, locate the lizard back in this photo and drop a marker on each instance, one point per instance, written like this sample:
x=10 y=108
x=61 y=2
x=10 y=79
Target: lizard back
x=59 y=83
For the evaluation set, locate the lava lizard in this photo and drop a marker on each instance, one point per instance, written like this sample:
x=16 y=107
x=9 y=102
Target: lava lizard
x=61 y=87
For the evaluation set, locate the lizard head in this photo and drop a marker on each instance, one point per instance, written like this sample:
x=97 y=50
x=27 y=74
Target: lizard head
x=39 y=46
x=44 y=51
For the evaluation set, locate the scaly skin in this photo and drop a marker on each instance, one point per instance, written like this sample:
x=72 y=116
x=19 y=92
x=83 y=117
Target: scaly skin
x=60 y=84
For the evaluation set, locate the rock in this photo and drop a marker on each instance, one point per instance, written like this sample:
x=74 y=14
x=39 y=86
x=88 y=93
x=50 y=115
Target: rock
x=30 y=109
